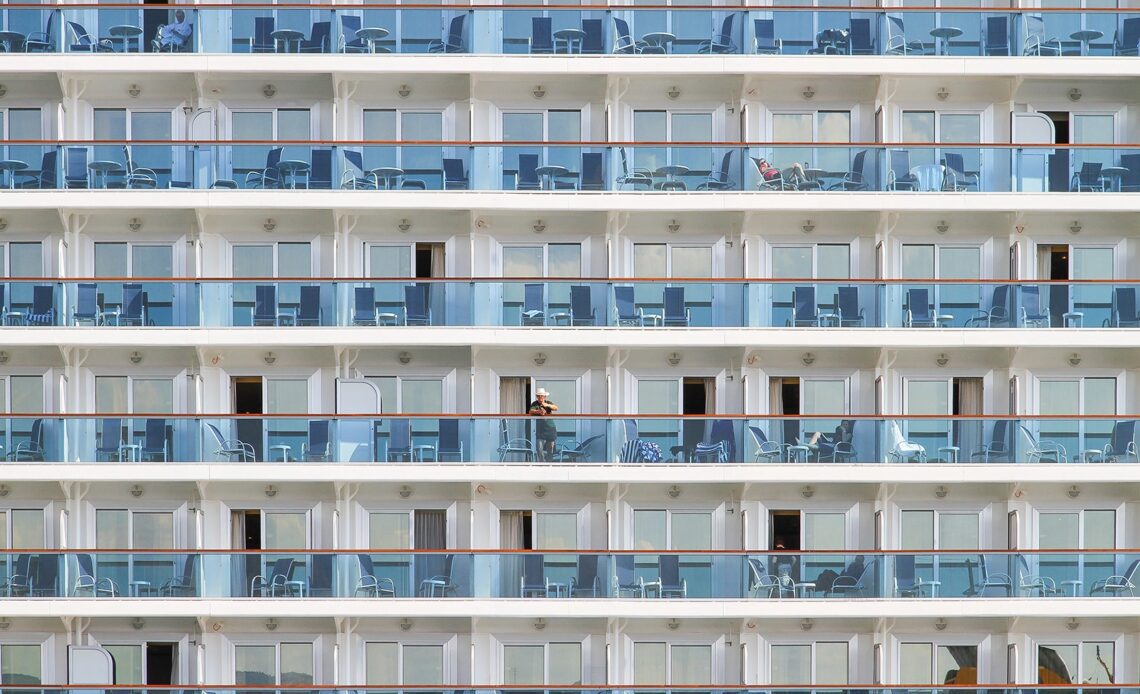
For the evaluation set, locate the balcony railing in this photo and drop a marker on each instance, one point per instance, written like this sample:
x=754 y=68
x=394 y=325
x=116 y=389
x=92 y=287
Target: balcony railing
x=566 y=439
x=569 y=167
x=569 y=574
x=141 y=302
x=377 y=30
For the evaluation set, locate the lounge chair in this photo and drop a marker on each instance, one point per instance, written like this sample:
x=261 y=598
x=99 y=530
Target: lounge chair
x=87 y=581
x=183 y=584
x=364 y=306
x=133 y=310
x=309 y=309
x=669 y=583
x=766 y=451
x=81 y=41
x=514 y=446
x=998 y=312
x=318 y=446
x=919 y=313
x=399 y=440
x=625 y=308
x=854 y=578
x=448 y=444
x=582 y=311
x=676 y=313
x=1030 y=584
x=765 y=37
x=998 y=446
x=1037 y=451
x=586 y=583
x=155 y=445
x=719 y=180
x=1124 y=309
x=541 y=36
x=526 y=173
x=1117 y=584
x=533 y=582
x=454 y=176
x=1032 y=313
x=899 y=176
x=231 y=448
x=534 y=305
x=995 y=38
x=1122 y=443
x=901 y=450
x=349 y=43
x=722 y=41
x=1088 y=178
x=848 y=309
x=896 y=39
x=1035 y=42
x=417 y=308
x=1126 y=40
x=86 y=303
x=989 y=581
x=805 y=312
x=276 y=581
x=320 y=39
x=369 y=583
x=453 y=41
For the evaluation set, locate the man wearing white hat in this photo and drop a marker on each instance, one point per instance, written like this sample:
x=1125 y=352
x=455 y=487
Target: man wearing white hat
x=545 y=431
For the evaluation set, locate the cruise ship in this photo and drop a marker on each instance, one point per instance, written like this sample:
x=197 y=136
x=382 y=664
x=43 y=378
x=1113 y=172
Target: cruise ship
x=582 y=348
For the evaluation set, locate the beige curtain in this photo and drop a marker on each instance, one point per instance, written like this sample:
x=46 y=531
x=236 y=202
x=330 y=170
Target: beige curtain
x=513 y=400
x=969 y=436
x=438 y=268
x=775 y=430
x=511 y=536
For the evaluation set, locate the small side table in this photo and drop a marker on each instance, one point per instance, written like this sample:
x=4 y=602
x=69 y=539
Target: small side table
x=557 y=590
x=386 y=318
x=12 y=167
x=1072 y=588
x=934 y=586
x=298 y=586
x=284 y=449
x=799 y=454
x=1073 y=319
x=828 y=320
x=129 y=452
x=372 y=37
x=942 y=320
x=803 y=590
x=950 y=453
x=422 y=452
x=140 y=588
x=1093 y=455
x=651 y=319
x=126 y=34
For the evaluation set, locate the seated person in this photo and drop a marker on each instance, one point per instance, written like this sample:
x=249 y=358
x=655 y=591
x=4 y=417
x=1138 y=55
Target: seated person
x=173 y=36
x=793 y=176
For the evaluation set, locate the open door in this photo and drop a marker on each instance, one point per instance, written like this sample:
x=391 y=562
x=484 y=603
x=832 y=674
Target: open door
x=248 y=394
x=1032 y=166
x=354 y=439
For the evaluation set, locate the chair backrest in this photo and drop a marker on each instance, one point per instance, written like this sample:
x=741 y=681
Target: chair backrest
x=593 y=41
x=859 y=164
x=309 y=309
x=918 y=301
x=399 y=434
x=320 y=33
x=726 y=26
x=1124 y=303
x=349 y=25
x=624 y=569
x=356 y=159
x=155 y=434
x=80 y=33
x=1000 y=300
x=587 y=569
x=670 y=565
x=132 y=302
x=1029 y=437
x=631 y=430
x=723 y=432
x=528 y=175
x=455 y=30
x=803 y=303
x=127 y=162
x=622 y=28
x=86 y=300
x=364 y=304
x=1130 y=573
x=1090 y=171
x=366 y=566
x=217 y=433
x=756 y=571
x=904 y=570
x=765 y=30
x=1123 y=435
x=534 y=569
x=581 y=301
x=43 y=296
x=452 y=170
x=533 y=297
x=859 y=38
x=1031 y=299
x=282 y=567
x=46 y=574
x=541 y=36
x=416 y=301
x=1130 y=32
x=592 y=171
x=623 y=298
x=273 y=158
x=86 y=565
x=997 y=32
x=110 y=434
x=999 y=438
x=48 y=162
x=847 y=299
x=320 y=171
x=895 y=26
x=900 y=162
x=448 y=435
x=262 y=28
x=1034 y=25
x=320 y=573
x=318 y=435
x=674 y=302
x=758 y=435
x=265 y=302
x=955 y=162
x=76 y=164
x=1127 y=161
x=894 y=434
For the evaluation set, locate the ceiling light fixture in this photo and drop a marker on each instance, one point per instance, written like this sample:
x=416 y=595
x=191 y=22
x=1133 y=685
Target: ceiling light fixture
x=940 y=492
x=942 y=359
x=271 y=624
x=3 y=357
x=539 y=226
x=673 y=93
x=1075 y=94
x=539 y=91
x=134 y=91
x=540 y=359
x=136 y=490
x=539 y=624
x=1073 y=491
x=404 y=358
x=1075 y=228
x=269 y=358
x=3 y=90
x=404 y=226
x=539 y=492
x=269 y=90
x=942 y=226
x=943 y=93
x=940 y=624
x=807 y=491
x=673 y=226
x=673 y=624
x=674 y=491
x=405 y=492
x=406 y=624
x=4 y=490
x=138 y=623
x=269 y=224
x=136 y=357
x=1074 y=359
x=3 y=224
x=807 y=227
x=806 y=624
x=1073 y=624
x=134 y=224
x=270 y=491
x=674 y=358
x=404 y=91
x=807 y=358
x=808 y=93
x=5 y=623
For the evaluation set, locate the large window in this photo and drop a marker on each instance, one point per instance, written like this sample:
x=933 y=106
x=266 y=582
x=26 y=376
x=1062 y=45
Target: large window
x=662 y=260
x=419 y=162
x=551 y=663
x=655 y=529
x=1085 y=663
x=822 y=662
x=387 y=663
x=657 y=663
x=117 y=259
x=24 y=259
x=957 y=302
x=20 y=664
x=946 y=129
x=674 y=126
x=928 y=663
x=283 y=663
x=293 y=259
x=814 y=126
x=937 y=531
x=119 y=124
x=268 y=126
x=541 y=126
x=1072 y=397
x=22 y=124
x=1077 y=530
x=134 y=530
x=25 y=395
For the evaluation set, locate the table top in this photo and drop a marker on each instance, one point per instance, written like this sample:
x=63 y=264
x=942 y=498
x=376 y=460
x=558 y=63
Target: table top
x=126 y=30
x=949 y=448
x=12 y=165
x=11 y=36
x=286 y=34
x=1115 y=171
x=1072 y=582
x=292 y=165
x=371 y=33
x=105 y=166
x=945 y=32
x=1086 y=35
x=550 y=170
x=659 y=37
x=672 y=170
x=569 y=33
x=386 y=171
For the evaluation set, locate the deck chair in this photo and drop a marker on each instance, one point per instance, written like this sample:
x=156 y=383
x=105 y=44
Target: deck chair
x=1124 y=310
x=1035 y=42
x=441 y=583
x=919 y=313
x=86 y=303
x=448 y=444
x=231 y=448
x=261 y=41
x=318 y=446
x=835 y=451
x=775 y=183
x=417 y=308
x=580 y=451
x=582 y=305
x=513 y=446
x=586 y=583
x=526 y=175
x=905 y=582
x=270 y=176
x=320 y=576
x=626 y=582
x=534 y=304
x=19 y=582
x=533 y=582
x=541 y=36
x=154 y=444
x=110 y=443
x=133 y=311
x=276 y=580
x=899 y=176
x=858 y=177
x=1030 y=584
x=962 y=179
x=1116 y=585
x=453 y=42
x=87 y=581
x=1088 y=178
x=349 y=25
x=998 y=312
x=625 y=308
x=765 y=37
x=320 y=38
x=309 y=308
x=1032 y=313
x=41 y=41
x=854 y=578
x=848 y=309
x=896 y=39
x=454 y=176
x=859 y=39
x=722 y=41
x=183 y=584
x=593 y=42
x=804 y=309
x=265 y=305
x=369 y=583
x=1126 y=40
x=669 y=583
x=995 y=38
x=676 y=314
x=623 y=38
x=998 y=445
x=719 y=180
x=593 y=172
x=354 y=176
x=31 y=448
x=761 y=583
x=1130 y=181
x=320 y=169
x=81 y=41
x=901 y=450
x=75 y=167
x=633 y=177
x=137 y=176
x=400 y=440
x=1038 y=451
x=43 y=306
x=1122 y=443
x=364 y=306
x=45 y=177
x=766 y=451
x=721 y=446
x=989 y=581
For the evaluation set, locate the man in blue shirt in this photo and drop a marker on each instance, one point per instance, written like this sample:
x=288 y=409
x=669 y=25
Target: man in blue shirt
x=173 y=36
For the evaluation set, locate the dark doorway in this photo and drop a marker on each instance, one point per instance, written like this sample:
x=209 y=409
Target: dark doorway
x=784 y=536
x=248 y=400
x=247 y=535
x=1054 y=261
x=152 y=20
x=693 y=397
x=790 y=402
x=160 y=663
x=1059 y=160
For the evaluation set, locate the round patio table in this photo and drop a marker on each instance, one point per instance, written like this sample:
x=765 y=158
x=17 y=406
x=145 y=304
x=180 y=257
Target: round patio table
x=388 y=174
x=942 y=36
x=1086 y=36
x=286 y=39
x=372 y=37
x=571 y=37
x=548 y=173
x=11 y=167
x=126 y=34
x=657 y=42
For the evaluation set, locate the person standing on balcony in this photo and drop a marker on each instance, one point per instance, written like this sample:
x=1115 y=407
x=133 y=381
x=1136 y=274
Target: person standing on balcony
x=546 y=433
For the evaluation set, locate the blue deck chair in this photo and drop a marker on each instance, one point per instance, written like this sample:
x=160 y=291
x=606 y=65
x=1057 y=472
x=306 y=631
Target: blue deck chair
x=453 y=42
x=1130 y=181
x=43 y=306
x=1126 y=40
x=998 y=445
x=905 y=580
x=541 y=36
x=676 y=313
x=526 y=176
x=41 y=41
x=848 y=309
x=19 y=581
x=766 y=41
x=75 y=173
x=309 y=309
x=138 y=176
x=270 y=176
x=84 y=42
x=33 y=447
x=320 y=171
x=805 y=312
x=277 y=580
x=719 y=179
x=534 y=304
x=364 y=306
x=1032 y=312
x=623 y=39
x=582 y=305
x=400 y=440
x=995 y=40
x=454 y=175
x=318 y=446
x=670 y=584
x=858 y=178
x=854 y=578
x=998 y=312
x=1124 y=311
x=1045 y=449
x=110 y=439
x=533 y=582
x=417 y=308
x=721 y=446
x=721 y=42
x=1088 y=178
x=1035 y=41
x=154 y=443
x=261 y=41
x=899 y=176
x=86 y=303
x=134 y=309
x=45 y=177
x=963 y=179
x=859 y=40
x=593 y=172
x=1122 y=442
x=766 y=451
x=354 y=176
x=896 y=39
x=919 y=313
x=593 y=42
x=580 y=451
x=990 y=581
x=449 y=445
x=320 y=576
x=369 y=583
x=626 y=581
x=586 y=583
x=231 y=448
x=833 y=450
x=320 y=38
x=349 y=25
x=87 y=581
x=626 y=308
x=265 y=305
